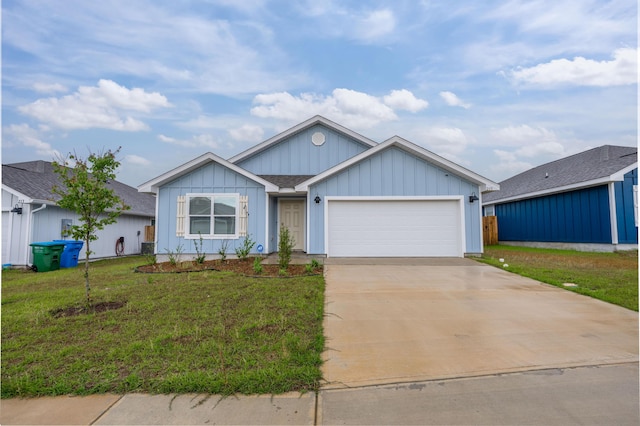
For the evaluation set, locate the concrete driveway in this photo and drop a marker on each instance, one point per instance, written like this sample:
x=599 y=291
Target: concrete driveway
x=407 y=320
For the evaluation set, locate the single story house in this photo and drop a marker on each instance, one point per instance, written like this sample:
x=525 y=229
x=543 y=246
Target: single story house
x=30 y=214
x=587 y=201
x=339 y=193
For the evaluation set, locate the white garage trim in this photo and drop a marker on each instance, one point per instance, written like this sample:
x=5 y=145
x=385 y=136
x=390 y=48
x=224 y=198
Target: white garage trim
x=460 y=234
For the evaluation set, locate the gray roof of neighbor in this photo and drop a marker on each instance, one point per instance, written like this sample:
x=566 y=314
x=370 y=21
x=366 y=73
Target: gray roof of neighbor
x=596 y=163
x=35 y=179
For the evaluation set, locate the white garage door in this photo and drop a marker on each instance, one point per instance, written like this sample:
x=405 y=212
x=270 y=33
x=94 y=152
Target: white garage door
x=394 y=228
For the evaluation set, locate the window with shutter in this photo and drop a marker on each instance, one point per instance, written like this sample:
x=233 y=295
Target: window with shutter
x=210 y=216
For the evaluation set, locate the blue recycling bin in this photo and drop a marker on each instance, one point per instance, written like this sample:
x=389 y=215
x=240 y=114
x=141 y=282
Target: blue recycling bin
x=69 y=258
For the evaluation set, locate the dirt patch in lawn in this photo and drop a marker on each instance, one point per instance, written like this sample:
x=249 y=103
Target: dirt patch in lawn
x=244 y=267
x=81 y=310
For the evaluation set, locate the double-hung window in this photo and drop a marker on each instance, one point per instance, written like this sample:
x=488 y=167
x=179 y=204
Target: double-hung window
x=212 y=215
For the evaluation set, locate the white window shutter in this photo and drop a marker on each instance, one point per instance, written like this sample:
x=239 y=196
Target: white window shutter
x=180 y=216
x=244 y=216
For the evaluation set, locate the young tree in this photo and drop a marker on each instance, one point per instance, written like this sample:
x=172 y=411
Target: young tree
x=85 y=191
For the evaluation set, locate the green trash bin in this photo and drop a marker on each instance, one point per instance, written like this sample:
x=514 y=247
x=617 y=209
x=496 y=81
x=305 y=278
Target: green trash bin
x=46 y=256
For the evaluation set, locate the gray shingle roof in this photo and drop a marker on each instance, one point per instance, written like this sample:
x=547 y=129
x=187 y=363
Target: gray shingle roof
x=35 y=179
x=584 y=167
x=286 y=181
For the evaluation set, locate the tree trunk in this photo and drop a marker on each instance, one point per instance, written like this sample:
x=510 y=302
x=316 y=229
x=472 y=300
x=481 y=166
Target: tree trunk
x=86 y=274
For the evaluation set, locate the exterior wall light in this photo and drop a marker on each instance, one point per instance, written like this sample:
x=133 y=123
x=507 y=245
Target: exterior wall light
x=473 y=197
x=317 y=199
x=16 y=209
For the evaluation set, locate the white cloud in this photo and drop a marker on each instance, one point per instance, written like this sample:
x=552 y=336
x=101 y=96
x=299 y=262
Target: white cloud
x=374 y=25
x=451 y=99
x=448 y=142
x=136 y=160
x=247 y=132
x=203 y=140
x=22 y=134
x=348 y=107
x=49 y=88
x=543 y=148
x=97 y=107
x=529 y=145
x=509 y=163
x=621 y=70
x=404 y=99
x=519 y=135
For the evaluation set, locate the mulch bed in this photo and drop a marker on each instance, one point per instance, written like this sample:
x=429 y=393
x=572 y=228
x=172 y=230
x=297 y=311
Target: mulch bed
x=244 y=267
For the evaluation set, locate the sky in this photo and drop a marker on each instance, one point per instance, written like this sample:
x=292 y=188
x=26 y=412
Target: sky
x=497 y=87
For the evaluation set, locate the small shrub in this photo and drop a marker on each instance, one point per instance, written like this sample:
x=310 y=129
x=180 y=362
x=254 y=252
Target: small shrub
x=257 y=265
x=308 y=268
x=285 y=247
x=315 y=264
x=222 y=251
x=282 y=272
x=174 y=256
x=243 y=251
x=200 y=255
x=150 y=259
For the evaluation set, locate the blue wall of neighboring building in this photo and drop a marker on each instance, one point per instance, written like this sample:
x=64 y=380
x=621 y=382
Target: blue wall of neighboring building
x=627 y=229
x=580 y=216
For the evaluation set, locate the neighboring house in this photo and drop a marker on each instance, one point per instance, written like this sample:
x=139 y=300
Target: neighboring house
x=586 y=201
x=339 y=194
x=30 y=214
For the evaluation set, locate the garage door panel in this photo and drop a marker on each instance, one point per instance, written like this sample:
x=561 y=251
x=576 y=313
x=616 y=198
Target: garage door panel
x=394 y=228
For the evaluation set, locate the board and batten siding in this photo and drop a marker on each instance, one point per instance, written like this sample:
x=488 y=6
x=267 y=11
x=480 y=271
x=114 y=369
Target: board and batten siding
x=394 y=172
x=210 y=178
x=580 y=216
x=47 y=226
x=297 y=155
x=15 y=231
x=627 y=229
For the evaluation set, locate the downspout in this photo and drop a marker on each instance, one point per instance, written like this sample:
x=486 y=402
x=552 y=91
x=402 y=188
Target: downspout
x=30 y=231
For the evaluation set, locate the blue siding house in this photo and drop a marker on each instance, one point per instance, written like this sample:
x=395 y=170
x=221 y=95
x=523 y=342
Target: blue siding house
x=339 y=193
x=585 y=201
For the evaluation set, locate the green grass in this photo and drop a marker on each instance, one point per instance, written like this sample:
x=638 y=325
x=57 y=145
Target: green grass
x=612 y=277
x=209 y=332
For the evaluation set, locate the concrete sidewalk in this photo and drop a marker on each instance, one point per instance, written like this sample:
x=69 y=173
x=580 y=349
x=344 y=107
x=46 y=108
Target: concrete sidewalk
x=600 y=395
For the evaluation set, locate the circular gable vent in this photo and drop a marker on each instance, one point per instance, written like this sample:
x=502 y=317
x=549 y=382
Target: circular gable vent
x=318 y=138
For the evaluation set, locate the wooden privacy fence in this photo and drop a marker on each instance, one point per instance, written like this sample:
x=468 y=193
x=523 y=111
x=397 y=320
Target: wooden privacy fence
x=149 y=234
x=490 y=230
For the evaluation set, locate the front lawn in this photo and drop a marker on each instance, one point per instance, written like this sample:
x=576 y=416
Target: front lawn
x=210 y=332
x=612 y=277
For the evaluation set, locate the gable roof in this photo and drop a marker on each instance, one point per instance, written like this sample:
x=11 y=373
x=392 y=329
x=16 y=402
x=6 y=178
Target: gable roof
x=484 y=183
x=153 y=185
x=35 y=180
x=597 y=166
x=318 y=119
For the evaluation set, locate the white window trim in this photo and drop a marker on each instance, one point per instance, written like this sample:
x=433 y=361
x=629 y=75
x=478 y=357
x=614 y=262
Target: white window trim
x=233 y=236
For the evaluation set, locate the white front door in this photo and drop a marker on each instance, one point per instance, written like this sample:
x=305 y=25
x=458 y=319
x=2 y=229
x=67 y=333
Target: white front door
x=292 y=216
